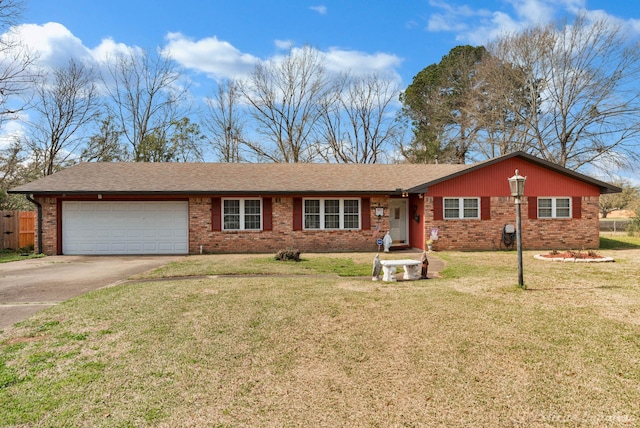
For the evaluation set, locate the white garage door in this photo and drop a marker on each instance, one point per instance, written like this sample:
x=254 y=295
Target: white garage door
x=104 y=227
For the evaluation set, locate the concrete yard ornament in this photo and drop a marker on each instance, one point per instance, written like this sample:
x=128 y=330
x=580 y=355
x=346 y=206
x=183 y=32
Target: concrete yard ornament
x=377 y=268
x=387 y=241
x=425 y=265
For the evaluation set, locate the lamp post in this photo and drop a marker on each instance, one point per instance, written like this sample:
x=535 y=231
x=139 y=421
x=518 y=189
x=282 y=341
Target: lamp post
x=516 y=183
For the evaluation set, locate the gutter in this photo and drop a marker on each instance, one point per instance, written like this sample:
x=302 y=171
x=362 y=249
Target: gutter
x=37 y=204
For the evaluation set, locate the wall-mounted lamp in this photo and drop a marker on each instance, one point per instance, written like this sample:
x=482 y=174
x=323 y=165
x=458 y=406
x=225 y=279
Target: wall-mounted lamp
x=416 y=216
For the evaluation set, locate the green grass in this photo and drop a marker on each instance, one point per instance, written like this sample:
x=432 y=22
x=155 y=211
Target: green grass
x=12 y=256
x=468 y=349
x=349 y=264
x=618 y=240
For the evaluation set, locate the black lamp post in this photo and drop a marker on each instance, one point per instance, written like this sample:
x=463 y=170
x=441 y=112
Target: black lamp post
x=516 y=183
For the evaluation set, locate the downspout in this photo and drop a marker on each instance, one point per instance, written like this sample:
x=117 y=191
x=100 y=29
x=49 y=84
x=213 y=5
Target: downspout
x=36 y=203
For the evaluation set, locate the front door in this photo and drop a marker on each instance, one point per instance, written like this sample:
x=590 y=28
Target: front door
x=399 y=221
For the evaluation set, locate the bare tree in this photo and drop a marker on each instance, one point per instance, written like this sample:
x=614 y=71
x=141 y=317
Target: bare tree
x=286 y=98
x=225 y=122
x=66 y=104
x=584 y=106
x=17 y=75
x=358 y=125
x=146 y=95
x=502 y=100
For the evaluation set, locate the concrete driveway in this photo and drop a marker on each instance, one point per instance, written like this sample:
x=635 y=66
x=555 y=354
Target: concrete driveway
x=29 y=286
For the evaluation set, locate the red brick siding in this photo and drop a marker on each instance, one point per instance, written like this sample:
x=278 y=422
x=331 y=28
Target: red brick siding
x=282 y=234
x=467 y=235
x=454 y=234
x=49 y=226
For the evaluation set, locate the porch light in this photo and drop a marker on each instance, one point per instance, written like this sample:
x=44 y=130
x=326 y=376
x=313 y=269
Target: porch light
x=516 y=184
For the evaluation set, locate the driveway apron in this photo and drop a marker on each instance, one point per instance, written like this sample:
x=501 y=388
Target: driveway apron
x=29 y=286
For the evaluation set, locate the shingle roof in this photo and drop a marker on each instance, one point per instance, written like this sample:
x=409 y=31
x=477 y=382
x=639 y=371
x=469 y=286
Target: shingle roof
x=194 y=178
x=265 y=178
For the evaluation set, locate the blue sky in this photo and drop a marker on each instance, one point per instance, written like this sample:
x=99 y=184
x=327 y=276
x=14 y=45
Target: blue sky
x=221 y=39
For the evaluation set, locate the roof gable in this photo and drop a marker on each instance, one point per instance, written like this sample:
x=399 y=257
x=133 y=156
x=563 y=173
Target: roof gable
x=602 y=186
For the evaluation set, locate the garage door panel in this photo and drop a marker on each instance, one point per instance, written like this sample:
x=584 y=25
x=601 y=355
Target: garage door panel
x=106 y=227
x=167 y=234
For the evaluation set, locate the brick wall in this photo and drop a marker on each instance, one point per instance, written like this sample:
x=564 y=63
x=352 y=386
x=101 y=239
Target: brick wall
x=281 y=236
x=453 y=234
x=467 y=235
x=49 y=226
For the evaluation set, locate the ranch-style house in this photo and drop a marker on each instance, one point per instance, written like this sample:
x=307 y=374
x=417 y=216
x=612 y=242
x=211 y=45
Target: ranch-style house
x=183 y=208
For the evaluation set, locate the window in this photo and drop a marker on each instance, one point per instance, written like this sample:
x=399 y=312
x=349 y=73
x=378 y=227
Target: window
x=456 y=208
x=554 y=207
x=242 y=214
x=331 y=213
x=351 y=214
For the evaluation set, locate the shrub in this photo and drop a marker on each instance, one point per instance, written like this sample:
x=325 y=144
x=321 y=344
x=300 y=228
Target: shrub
x=288 y=254
x=27 y=249
x=633 y=228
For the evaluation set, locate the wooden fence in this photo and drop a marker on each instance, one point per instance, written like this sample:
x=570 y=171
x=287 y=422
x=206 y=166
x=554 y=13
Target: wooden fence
x=17 y=229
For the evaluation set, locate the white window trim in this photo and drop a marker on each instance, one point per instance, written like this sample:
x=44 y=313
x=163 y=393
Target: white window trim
x=460 y=208
x=341 y=214
x=554 y=212
x=242 y=214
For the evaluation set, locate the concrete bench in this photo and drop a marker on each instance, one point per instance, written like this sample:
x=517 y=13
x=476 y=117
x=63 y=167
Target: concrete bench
x=411 y=269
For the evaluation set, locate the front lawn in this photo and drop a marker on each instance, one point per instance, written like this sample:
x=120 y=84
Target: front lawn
x=348 y=264
x=469 y=349
x=618 y=241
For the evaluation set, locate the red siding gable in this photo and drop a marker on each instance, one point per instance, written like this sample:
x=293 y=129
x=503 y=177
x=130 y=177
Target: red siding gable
x=493 y=180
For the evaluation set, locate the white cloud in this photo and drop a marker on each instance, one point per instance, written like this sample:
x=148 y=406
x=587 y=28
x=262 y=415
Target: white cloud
x=284 y=44
x=108 y=48
x=479 y=26
x=322 y=10
x=13 y=130
x=220 y=59
x=217 y=58
x=438 y=22
x=355 y=62
x=55 y=45
x=534 y=11
x=53 y=42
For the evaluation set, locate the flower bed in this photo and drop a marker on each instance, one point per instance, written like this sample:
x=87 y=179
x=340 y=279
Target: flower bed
x=574 y=256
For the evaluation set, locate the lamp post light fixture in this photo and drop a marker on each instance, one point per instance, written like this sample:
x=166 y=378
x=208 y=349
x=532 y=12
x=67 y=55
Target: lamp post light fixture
x=516 y=183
